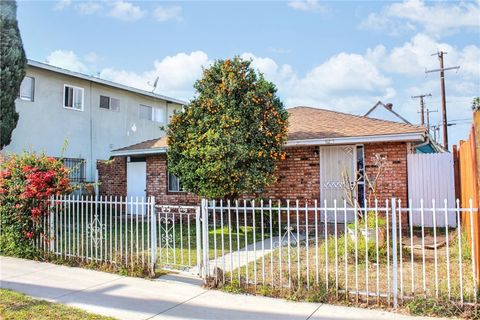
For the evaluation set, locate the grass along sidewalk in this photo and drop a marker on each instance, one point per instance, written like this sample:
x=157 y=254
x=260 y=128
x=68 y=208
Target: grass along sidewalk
x=17 y=306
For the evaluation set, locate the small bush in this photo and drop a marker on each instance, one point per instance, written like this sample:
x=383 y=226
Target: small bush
x=26 y=184
x=465 y=247
x=442 y=307
x=234 y=287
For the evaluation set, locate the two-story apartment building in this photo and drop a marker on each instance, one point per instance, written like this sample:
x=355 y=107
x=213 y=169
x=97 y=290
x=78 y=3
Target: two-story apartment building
x=93 y=116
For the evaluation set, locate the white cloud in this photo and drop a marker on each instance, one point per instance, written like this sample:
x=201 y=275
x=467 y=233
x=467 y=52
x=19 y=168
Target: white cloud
x=67 y=60
x=176 y=74
x=91 y=57
x=126 y=11
x=168 y=13
x=414 y=56
x=435 y=19
x=62 y=4
x=306 y=5
x=345 y=80
x=87 y=8
x=383 y=23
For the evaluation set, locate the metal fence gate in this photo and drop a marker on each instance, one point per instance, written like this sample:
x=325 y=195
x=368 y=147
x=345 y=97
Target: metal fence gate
x=176 y=238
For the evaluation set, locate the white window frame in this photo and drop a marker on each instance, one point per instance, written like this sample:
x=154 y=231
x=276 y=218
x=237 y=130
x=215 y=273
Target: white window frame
x=33 y=90
x=152 y=115
x=83 y=97
x=109 y=103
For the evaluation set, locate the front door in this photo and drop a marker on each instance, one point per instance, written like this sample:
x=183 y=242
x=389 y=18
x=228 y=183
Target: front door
x=337 y=164
x=136 y=178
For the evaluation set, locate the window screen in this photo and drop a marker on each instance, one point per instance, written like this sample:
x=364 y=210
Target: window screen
x=145 y=112
x=27 y=89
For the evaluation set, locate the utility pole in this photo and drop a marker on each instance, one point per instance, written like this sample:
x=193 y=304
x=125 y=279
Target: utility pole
x=428 y=111
x=442 y=91
x=422 y=106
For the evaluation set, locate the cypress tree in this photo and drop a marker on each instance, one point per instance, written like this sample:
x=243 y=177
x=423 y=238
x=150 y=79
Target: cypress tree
x=13 y=62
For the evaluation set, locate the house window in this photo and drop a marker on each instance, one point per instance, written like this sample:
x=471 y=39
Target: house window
x=76 y=167
x=156 y=114
x=27 y=89
x=145 y=112
x=73 y=98
x=109 y=103
x=360 y=176
x=174 y=184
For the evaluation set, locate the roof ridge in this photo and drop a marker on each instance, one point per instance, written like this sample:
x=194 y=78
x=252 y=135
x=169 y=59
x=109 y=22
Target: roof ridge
x=357 y=116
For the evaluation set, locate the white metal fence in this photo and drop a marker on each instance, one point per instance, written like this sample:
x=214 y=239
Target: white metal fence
x=290 y=245
x=380 y=256
x=126 y=231
x=101 y=229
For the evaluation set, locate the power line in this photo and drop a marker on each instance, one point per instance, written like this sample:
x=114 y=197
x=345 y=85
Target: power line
x=442 y=70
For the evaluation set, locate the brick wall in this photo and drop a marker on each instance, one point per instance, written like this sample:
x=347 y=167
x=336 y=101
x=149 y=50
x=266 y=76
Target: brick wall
x=394 y=180
x=113 y=177
x=298 y=176
x=157 y=184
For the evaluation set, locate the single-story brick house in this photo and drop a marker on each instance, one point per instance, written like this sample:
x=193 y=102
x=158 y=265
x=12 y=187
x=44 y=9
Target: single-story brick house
x=320 y=144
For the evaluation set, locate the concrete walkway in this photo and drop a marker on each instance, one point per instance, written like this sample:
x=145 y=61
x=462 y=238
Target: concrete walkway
x=252 y=252
x=170 y=297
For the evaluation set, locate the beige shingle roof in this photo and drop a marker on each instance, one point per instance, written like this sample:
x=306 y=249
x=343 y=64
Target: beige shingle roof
x=312 y=123
x=148 y=144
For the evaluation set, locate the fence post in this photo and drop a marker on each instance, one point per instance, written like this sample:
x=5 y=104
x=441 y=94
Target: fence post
x=153 y=234
x=205 y=247
x=198 y=235
x=51 y=224
x=394 y=253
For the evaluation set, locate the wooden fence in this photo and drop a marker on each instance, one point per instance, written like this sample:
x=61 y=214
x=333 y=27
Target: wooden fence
x=467 y=156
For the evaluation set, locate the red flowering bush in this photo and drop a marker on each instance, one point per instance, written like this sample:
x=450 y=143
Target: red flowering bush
x=27 y=183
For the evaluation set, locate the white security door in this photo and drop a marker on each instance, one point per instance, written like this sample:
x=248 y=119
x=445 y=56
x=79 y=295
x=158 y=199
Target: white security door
x=334 y=161
x=137 y=179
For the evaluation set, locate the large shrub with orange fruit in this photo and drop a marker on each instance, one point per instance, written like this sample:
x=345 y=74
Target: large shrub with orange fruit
x=228 y=139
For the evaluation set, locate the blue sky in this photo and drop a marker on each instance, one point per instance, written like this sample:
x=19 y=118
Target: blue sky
x=338 y=55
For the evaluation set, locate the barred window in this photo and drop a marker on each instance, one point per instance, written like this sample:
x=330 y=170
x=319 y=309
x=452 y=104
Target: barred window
x=76 y=167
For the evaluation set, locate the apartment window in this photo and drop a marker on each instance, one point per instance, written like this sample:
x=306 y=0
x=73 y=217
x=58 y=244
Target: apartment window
x=27 y=89
x=109 y=103
x=76 y=167
x=174 y=184
x=73 y=97
x=156 y=114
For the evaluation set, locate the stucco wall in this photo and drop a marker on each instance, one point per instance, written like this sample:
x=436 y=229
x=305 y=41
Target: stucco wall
x=45 y=125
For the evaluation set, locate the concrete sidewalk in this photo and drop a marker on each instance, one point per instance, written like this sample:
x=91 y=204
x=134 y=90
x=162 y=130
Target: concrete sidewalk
x=170 y=297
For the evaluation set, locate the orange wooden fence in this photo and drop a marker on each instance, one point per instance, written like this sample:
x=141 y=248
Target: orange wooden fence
x=468 y=181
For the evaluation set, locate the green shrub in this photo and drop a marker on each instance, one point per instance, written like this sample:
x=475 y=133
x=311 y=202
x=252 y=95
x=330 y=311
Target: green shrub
x=27 y=183
x=421 y=306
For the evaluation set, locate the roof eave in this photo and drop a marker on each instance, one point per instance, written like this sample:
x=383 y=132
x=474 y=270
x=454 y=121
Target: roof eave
x=67 y=72
x=138 y=152
x=407 y=137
